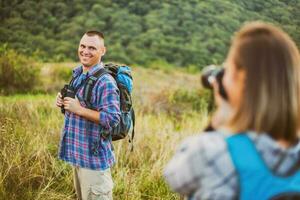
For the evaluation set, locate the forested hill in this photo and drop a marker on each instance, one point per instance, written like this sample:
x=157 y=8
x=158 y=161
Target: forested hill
x=180 y=32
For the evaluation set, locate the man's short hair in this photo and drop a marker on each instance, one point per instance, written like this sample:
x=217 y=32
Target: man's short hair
x=93 y=33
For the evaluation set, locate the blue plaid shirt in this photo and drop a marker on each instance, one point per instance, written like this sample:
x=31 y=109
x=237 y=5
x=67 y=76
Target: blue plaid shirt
x=81 y=142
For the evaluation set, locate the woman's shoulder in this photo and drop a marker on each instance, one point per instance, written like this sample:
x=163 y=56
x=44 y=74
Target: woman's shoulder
x=208 y=168
x=208 y=141
x=208 y=149
x=282 y=160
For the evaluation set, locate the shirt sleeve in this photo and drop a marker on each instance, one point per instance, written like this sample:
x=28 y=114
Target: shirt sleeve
x=109 y=103
x=182 y=175
x=202 y=166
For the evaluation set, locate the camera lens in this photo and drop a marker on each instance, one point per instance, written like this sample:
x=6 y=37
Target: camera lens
x=210 y=73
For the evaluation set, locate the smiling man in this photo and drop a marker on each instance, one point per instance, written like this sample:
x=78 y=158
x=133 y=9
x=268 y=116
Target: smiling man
x=82 y=144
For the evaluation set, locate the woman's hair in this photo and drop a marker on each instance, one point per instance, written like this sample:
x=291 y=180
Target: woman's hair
x=271 y=96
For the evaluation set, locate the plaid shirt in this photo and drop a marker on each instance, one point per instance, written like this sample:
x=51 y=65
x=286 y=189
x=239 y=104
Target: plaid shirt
x=202 y=167
x=81 y=142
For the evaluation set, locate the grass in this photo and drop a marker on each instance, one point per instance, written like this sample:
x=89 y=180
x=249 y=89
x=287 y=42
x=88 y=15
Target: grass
x=169 y=106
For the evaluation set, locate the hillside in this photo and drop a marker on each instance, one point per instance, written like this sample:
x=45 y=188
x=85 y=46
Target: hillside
x=183 y=33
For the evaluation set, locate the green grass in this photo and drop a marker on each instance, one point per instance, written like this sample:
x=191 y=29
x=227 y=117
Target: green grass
x=168 y=107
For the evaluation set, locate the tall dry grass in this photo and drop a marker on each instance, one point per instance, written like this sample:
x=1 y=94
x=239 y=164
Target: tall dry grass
x=169 y=106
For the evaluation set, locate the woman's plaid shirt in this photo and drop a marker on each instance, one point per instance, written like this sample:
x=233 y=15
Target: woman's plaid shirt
x=81 y=142
x=202 y=167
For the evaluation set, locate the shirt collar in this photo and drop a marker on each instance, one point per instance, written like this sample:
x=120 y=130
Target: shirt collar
x=78 y=70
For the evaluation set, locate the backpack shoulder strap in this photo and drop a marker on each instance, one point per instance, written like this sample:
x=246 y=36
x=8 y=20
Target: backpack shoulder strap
x=131 y=137
x=255 y=178
x=244 y=153
x=89 y=85
x=72 y=80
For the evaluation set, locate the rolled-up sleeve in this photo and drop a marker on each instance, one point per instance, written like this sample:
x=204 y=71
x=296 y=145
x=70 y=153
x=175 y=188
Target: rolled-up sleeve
x=109 y=103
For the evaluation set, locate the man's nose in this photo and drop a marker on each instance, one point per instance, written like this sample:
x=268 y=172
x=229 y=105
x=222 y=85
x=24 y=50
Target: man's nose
x=85 y=51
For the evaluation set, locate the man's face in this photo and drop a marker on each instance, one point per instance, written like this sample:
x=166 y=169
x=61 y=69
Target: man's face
x=90 y=50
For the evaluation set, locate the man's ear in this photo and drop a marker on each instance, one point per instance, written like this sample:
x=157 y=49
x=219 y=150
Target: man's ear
x=103 y=51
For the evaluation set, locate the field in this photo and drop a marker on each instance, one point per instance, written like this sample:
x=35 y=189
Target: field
x=170 y=105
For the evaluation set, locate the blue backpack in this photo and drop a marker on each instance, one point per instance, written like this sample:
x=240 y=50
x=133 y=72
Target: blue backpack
x=257 y=182
x=123 y=78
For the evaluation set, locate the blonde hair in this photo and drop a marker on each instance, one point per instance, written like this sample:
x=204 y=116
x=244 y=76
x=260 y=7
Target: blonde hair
x=271 y=97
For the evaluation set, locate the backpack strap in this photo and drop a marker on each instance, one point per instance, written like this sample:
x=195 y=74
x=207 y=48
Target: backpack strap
x=255 y=178
x=133 y=125
x=244 y=153
x=249 y=166
x=72 y=81
x=89 y=85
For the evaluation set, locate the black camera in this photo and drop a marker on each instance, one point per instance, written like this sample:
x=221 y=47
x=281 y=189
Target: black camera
x=210 y=73
x=67 y=91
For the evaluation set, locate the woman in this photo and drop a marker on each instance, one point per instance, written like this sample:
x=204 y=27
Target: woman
x=262 y=81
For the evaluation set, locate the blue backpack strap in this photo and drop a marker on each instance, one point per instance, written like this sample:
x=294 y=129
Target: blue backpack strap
x=247 y=162
x=244 y=153
x=255 y=178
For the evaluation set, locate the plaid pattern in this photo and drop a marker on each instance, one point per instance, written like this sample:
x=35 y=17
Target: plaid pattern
x=81 y=144
x=202 y=167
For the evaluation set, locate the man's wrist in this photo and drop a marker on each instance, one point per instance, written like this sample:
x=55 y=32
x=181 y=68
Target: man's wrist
x=80 y=111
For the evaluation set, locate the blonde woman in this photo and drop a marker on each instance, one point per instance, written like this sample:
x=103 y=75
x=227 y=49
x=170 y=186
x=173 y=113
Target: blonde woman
x=259 y=152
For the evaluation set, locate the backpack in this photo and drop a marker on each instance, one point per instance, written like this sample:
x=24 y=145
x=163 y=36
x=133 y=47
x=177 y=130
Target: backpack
x=123 y=78
x=256 y=180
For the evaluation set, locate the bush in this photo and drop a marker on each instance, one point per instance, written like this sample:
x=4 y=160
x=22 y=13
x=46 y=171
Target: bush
x=18 y=74
x=55 y=75
x=162 y=65
x=179 y=102
x=61 y=72
x=197 y=100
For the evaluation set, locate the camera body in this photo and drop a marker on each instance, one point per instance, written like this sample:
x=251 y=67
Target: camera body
x=213 y=72
x=67 y=91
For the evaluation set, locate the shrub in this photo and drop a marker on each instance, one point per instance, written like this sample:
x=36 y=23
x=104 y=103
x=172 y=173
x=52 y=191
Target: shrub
x=55 y=75
x=18 y=74
x=61 y=72
x=181 y=101
x=197 y=100
x=162 y=65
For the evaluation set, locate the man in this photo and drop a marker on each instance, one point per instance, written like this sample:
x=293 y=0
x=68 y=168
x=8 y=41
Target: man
x=82 y=144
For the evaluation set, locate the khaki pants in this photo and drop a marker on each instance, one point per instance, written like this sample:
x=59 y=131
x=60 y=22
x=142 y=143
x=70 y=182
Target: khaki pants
x=93 y=184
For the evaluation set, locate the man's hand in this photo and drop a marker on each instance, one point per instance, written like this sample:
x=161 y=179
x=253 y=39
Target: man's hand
x=59 y=100
x=72 y=105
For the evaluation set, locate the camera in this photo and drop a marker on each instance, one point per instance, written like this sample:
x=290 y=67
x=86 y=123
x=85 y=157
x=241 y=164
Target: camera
x=67 y=91
x=211 y=72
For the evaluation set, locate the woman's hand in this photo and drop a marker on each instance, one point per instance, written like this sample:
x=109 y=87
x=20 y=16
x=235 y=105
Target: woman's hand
x=223 y=112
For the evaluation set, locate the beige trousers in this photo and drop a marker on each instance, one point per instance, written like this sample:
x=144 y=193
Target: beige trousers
x=93 y=184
